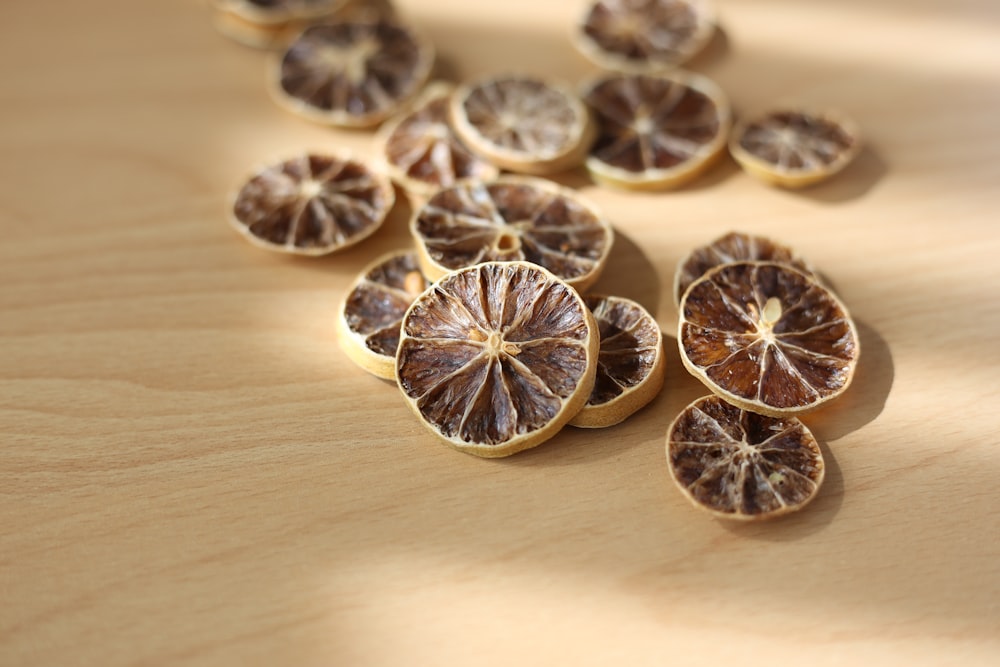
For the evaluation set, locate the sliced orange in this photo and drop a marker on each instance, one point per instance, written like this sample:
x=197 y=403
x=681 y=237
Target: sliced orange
x=629 y=366
x=523 y=124
x=512 y=218
x=767 y=338
x=352 y=72
x=740 y=465
x=732 y=247
x=421 y=150
x=371 y=313
x=313 y=204
x=644 y=36
x=655 y=131
x=496 y=358
x=795 y=147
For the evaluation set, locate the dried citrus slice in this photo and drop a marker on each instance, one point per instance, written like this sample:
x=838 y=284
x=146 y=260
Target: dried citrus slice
x=644 y=36
x=371 y=313
x=496 y=358
x=523 y=124
x=353 y=72
x=767 y=337
x=270 y=23
x=312 y=204
x=740 y=465
x=794 y=147
x=655 y=131
x=629 y=366
x=512 y=218
x=421 y=150
x=732 y=247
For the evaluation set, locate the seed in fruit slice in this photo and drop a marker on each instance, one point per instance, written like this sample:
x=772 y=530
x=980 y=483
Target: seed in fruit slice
x=312 y=204
x=512 y=218
x=794 y=148
x=523 y=124
x=496 y=358
x=644 y=36
x=630 y=363
x=353 y=72
x=767 y=338
x=740 y=465
x=421 y=150
x=732 y=247
x=655 y=131
x=371 y=313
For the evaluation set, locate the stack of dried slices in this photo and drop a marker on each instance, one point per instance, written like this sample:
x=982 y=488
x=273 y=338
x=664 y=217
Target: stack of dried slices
x=485 y=323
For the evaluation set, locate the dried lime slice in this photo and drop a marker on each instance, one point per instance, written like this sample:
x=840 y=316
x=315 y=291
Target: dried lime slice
x=513 y=218
x=740 y=465
x=767 y=338
x=630 y=364
x=312 y=205
x=496 y=358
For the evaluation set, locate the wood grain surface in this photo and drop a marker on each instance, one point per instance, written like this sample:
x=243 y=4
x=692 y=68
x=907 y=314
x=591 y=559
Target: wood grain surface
x=192 y=473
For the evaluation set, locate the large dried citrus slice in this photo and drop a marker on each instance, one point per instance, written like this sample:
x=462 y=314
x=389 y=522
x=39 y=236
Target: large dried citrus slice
x=512 y=218
x=644 y=36
x=312 y=204
x=629 y=366
x=655 y=131
x=767 y=337
x=353 y=72
x=740 y=465
x=371 y=313
x=421 y=150
x=523 y=124
x=731 y=247
x=793 y=147
x=498 y=357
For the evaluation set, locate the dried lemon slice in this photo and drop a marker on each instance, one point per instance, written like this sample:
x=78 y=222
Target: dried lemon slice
x=629 y=366
x=421 y=150
x=655 y=131
x=793 y=147
x=353 y=72
x=512 y=218
x=312 y=204
x=270 y=23
x=496 y=358
x=371 y=313
x=767 y=338
x=523 y=124
x=644 y=36
x=740 y=465
x=732 y=247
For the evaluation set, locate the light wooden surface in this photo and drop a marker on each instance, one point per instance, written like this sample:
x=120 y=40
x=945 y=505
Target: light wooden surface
x=191 y=472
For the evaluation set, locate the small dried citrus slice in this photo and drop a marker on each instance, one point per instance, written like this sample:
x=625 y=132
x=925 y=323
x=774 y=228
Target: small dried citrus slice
x=371 y=313
x=740 y=465
x=767 y=338
x=512 y=218
x=312 y=204
x=644 y=36
x=352 y=72
x=496 y=358
x=655 y=131
x=270 y=23
x=523 y=124
x=421 y=150
x=732 y=247
x=629 y=366
x=793 y=147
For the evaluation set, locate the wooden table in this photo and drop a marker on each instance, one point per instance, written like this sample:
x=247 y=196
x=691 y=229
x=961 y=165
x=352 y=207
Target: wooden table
x=192 y=473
